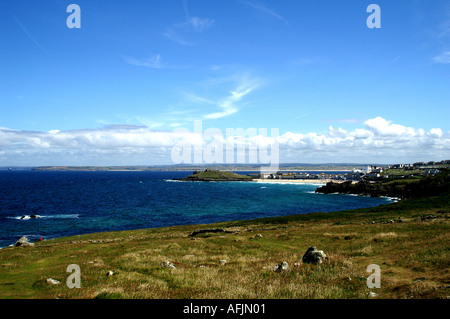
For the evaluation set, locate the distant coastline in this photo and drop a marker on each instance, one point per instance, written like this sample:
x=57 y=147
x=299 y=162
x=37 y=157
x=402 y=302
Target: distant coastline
x=244 y=167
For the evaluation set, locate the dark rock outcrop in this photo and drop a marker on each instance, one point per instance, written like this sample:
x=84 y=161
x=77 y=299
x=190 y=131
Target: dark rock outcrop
x=314 y=256
x=211 y=230
x=400 y=188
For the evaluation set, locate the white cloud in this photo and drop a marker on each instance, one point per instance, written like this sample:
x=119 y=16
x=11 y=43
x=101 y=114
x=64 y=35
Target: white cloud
x=229 y=104
x=384 y=128
x=379 y=141
x=241 y=86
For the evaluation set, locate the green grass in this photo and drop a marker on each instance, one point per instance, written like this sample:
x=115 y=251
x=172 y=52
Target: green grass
x=405 y=252
x=402 y=172
x=212 y=175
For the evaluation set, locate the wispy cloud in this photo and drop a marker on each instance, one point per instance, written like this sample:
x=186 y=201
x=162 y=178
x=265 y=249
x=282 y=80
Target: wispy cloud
x=198 y=24
x=197 y=99
x=444 y=57
x=265 y=10
x=444 y=26
x=230 y=104
x=28 y=34
x=177 y=32
x=152 y=62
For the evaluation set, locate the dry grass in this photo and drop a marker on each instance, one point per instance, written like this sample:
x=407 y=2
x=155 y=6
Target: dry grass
x=413 y=257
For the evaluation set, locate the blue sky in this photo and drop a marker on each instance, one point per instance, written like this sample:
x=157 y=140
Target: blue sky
x=308 y=68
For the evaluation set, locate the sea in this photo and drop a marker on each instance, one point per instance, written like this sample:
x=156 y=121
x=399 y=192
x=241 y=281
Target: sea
x=72 y=203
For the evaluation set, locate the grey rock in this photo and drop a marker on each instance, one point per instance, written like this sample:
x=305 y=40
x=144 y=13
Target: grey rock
x=212 y=230
x=372 y=294
x=53 y=281
x=168 y=264
x=281 y=267
x=23 y=242
x=314 y=256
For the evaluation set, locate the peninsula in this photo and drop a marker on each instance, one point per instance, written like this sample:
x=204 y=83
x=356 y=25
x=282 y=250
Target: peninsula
x=209 y=175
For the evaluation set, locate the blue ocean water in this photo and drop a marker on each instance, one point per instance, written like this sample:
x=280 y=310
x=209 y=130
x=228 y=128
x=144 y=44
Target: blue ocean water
x=72 y=203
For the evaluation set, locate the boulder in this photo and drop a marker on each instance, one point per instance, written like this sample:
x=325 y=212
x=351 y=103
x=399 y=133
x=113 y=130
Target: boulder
x=53 y=281
x=281 y=267
x=314 y=256
x=372 y=294
x=168 y=264
x=213 y=230
x=23 y=242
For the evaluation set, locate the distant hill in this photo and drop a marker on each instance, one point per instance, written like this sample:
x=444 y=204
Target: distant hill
x=193 y=167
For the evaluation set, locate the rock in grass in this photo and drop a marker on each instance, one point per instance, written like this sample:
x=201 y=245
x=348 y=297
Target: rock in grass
x=372 y=294
x=23 y=242
x=211 y=230
x=168 y=264
x=109 y=273
x=281 y=267
x=53 y=281
x=314 y=256
x=222 y=262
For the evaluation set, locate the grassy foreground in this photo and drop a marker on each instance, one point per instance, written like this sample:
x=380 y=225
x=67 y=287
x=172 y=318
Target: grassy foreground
x=413 y=256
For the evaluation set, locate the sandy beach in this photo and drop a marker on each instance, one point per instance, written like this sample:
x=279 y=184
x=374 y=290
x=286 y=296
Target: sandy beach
x=290 y=181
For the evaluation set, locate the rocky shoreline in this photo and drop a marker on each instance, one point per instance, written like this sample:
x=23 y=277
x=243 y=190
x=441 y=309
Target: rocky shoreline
x=401 y=188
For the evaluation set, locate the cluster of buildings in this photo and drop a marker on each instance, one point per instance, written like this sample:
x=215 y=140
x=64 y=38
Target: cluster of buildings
x=420 y=165
x=295 y=175
x=371 y=172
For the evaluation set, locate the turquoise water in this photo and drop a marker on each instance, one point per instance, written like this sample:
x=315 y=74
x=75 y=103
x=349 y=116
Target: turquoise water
x=71 y=203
